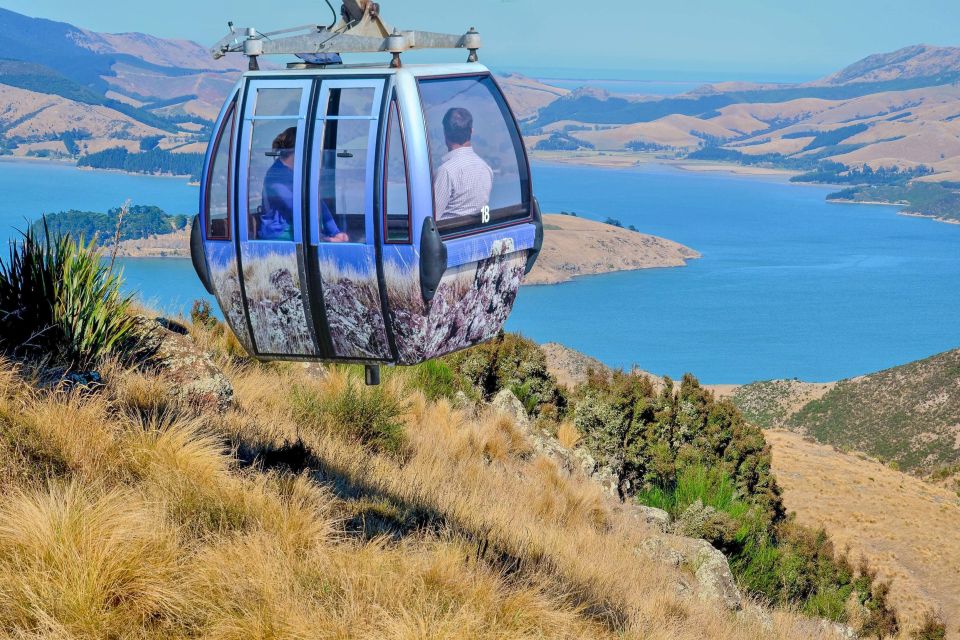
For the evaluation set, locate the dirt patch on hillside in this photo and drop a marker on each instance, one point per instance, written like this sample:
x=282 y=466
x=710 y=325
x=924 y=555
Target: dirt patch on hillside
x=907 y=528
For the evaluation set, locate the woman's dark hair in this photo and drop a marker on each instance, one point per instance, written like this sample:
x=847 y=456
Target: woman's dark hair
x=458 y=125
x=286 y=142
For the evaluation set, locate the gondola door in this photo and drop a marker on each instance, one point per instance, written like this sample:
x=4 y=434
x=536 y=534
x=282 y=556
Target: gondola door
x=270 y=189
x=342 y=207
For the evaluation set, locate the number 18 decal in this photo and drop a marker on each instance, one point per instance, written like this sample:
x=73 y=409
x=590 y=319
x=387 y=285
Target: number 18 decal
x=485 y=214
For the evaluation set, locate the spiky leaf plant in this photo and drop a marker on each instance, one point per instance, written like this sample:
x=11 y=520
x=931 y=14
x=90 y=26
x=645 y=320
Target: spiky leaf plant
x=59 y=301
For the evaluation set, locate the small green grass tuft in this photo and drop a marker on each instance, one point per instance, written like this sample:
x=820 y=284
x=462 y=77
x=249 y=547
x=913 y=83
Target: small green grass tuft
x=370 y=415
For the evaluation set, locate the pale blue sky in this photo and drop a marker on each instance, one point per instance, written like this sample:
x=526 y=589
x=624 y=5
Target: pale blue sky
x=745 y=37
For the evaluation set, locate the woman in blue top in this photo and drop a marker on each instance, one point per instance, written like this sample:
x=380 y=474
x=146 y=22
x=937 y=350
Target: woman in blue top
x=276 y=219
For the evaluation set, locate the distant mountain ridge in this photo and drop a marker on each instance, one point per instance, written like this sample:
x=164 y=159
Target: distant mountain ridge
x=117 y=89
x=886 y=127
x=917 y=61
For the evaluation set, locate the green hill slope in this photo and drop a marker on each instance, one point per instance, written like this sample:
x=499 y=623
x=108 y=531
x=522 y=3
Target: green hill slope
x=908 y=414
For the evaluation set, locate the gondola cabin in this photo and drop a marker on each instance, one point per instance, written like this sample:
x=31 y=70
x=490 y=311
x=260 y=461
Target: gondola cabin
x=377 y=215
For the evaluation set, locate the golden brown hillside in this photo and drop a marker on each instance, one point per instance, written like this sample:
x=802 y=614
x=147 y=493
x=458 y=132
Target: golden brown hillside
x=574 y=246
x=907 y=528
x=126 y=512
x=526 y=95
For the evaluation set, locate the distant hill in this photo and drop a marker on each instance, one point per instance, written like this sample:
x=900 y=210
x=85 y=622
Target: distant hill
x=66 y=91
x=908 y=415
x=918 y=61
x=881 y=125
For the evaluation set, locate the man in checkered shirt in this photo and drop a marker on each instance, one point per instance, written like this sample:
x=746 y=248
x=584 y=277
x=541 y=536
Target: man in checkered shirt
x=463 y=181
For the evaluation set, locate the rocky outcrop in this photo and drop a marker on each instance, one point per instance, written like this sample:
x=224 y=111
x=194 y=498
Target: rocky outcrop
x=192 y=377
x=657 y=519
x=709 y=566
x=573 y=460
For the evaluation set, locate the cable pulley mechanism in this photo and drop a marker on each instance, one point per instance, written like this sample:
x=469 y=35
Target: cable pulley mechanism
x=360 y=29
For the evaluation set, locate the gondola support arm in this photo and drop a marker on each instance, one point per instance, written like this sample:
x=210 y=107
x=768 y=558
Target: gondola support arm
x=361 y=29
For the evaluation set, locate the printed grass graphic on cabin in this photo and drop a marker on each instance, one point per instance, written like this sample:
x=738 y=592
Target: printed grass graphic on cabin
x=471 y=304
x=275 y=302
x=354 y=310
x=226 y=284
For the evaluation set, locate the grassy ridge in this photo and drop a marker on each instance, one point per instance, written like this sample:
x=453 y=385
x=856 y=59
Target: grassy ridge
x=124 y=514
x=907 y=414
x=313 y=504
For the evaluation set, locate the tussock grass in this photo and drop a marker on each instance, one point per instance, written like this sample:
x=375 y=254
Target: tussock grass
x=82 y=561
x=342 y=405
x=568 y=435
x=59 y=301
x=124 y=516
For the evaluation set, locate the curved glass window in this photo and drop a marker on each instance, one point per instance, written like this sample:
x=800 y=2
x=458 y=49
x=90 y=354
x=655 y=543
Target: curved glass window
x=480 y=173
x=273 y=201
x=218 y=181
x=396 y=199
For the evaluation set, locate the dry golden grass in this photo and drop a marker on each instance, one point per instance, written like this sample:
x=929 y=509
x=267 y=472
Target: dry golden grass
x=122 y=515
x=905 y=527
x=567 y=435
x=86 y=562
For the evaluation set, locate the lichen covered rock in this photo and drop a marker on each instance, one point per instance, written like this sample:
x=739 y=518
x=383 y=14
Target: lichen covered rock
x=192 y=376
x=709 y=566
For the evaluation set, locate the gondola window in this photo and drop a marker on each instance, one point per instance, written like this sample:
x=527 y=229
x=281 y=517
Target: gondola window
x=476 y=153
x=273 y=203
x=218 y=191
x=345 y=134
x=396 y=196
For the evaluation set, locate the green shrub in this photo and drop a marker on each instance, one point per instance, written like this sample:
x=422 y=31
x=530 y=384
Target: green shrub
x=201 y=314
x=369 y=415
x=932 y=628
x=59 y=301
x=509 y=361
x=435 y=378
x=682 y=451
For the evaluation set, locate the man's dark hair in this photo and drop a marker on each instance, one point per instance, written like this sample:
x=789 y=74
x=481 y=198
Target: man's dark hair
x=458 y=125
x=286 y=142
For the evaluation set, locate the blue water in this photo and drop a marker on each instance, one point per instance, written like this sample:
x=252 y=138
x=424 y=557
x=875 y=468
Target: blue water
x=788 y=286
x=31 y=189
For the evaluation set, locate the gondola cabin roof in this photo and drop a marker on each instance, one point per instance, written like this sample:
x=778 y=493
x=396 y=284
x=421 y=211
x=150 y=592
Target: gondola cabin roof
x=353 y=70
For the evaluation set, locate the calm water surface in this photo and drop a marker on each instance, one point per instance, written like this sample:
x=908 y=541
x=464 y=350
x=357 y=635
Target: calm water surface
x=789 y=286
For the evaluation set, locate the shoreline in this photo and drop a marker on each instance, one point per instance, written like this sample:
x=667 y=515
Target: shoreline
x=630 y=159
x=928 y=216
x=73 y=164
x=874 y=202
x=627 y=160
